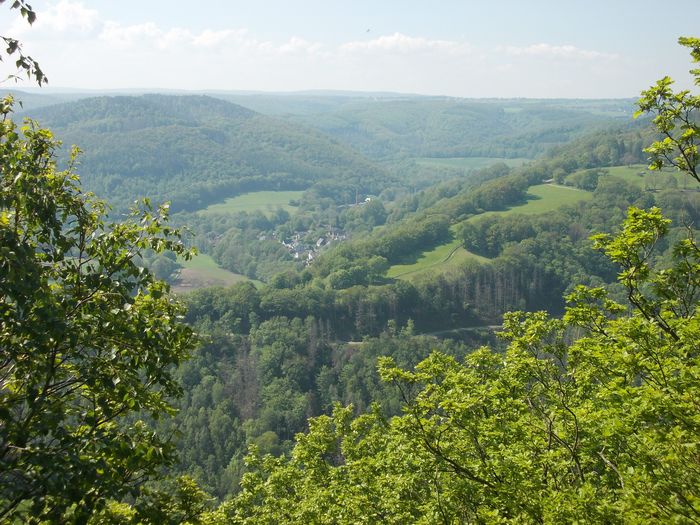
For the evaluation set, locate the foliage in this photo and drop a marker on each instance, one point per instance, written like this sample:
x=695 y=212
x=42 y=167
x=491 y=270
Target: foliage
x=23 y=62
x=587 y=418
x=675 y=119
x=87 y=337
x=602 y=428
x=196 y=150
x=177 y=502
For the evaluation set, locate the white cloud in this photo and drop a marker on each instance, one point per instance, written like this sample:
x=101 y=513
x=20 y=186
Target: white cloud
x=554 y=51
x=209 y=38
x=63 y=17
x=233 y=41
x=297 y=45
x=125 y=36
x=404 y=44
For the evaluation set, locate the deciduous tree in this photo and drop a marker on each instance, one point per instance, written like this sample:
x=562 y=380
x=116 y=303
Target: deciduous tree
x=87 y=338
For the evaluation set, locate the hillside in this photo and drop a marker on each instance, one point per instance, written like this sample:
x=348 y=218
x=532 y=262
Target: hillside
x=196 y=150
x=450 y=127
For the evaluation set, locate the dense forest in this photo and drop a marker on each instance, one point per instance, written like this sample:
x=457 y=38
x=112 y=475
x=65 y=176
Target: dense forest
x=534 y=261
x=414 y=337
x=195 y=150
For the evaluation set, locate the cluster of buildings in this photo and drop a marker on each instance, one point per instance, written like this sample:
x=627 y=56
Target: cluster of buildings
x=302 y=250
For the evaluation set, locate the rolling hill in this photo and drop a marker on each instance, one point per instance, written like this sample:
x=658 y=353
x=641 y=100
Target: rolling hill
x=196 y=150
x=386 y=128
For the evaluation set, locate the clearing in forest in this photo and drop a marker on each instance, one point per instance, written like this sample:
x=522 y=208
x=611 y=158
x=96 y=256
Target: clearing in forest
x=542 y=198
x=264 y=201
x=201 y=272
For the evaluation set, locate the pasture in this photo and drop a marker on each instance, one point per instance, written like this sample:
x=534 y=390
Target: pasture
x=201 y=272
x=439 y=258
x=641 y=176
x=264 y=201
x=542 y=198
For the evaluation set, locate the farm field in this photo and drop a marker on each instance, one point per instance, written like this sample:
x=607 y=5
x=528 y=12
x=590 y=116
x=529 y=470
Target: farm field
x=543 y=198
x=468 y=163
x=264 y=201
x=201 y=272
x=639 y=175
x=633 y=174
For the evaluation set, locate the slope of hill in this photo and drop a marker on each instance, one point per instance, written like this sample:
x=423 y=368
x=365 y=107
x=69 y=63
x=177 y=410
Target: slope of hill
x=195 y=150
x=448 y=127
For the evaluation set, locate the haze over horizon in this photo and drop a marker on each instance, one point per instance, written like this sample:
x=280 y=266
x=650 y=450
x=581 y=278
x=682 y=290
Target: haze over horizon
x=501 y=49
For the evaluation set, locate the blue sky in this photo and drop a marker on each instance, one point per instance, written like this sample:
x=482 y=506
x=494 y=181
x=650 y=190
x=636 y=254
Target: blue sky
x=500 y=48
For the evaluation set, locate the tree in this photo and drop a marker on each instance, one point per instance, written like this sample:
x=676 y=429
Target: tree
x=88 y=339
x=23 y=62
x=675 y=119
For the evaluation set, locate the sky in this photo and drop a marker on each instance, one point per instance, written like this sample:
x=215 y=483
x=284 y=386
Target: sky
x=497 y=48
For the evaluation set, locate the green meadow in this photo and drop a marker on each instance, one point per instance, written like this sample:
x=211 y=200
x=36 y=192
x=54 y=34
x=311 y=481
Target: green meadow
x=441 y=257
x=264 y=201
x=202 y=271
x=542 y=198
x=640 y=175
x=634 y=174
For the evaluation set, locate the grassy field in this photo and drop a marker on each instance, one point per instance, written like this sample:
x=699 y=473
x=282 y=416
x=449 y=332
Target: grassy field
x=543 y=198
x=467 y=163
x=441 y=257
x=639 y=175
x=201 y=272
x=265 y=201
x=634 y=174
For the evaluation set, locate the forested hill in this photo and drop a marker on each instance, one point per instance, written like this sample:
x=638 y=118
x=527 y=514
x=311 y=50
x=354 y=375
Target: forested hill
x=195 y=150
x=450 y=127
x=393 y=125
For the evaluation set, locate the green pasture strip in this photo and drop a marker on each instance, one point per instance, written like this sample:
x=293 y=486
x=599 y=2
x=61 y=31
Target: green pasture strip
x=439 y=257
x=265 y=201
x=203 y=271
x=543 y=198
x=639 y=174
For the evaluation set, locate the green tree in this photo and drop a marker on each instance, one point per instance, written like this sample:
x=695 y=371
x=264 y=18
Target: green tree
x=675 y=118
x=22 y=62
x=88 y=338
x=601 y=429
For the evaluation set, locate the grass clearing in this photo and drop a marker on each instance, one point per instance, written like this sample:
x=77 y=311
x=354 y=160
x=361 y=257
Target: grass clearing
x=264 y=201
x=633 y=174
x=543 y=198
x=468 y=163
x=641 y=176
x=202 y=272
x=440 y=257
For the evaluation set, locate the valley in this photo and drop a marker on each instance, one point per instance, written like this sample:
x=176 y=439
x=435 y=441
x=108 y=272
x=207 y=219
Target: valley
x=409 y=308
